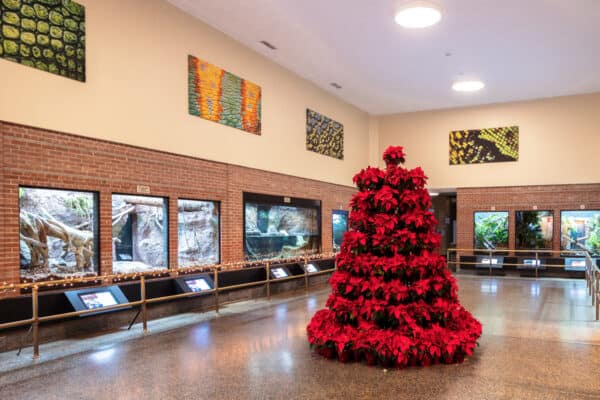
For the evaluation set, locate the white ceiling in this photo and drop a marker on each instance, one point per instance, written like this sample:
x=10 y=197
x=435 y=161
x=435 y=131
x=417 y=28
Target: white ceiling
x=521 y=49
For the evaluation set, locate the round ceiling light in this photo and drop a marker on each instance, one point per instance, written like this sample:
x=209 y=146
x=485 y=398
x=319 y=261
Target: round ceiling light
x=418 y=15
x=468 y=86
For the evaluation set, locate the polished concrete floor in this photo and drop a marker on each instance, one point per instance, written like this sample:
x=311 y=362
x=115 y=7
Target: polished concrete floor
x=539 y=342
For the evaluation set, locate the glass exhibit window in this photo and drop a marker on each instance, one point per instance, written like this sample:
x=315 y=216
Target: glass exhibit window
x=139 y=233
x=339 y=227
x=274 y=230
x=580 y=230
x=198 y=232
x=534 y=229
x=491 y=230
x=58 y=231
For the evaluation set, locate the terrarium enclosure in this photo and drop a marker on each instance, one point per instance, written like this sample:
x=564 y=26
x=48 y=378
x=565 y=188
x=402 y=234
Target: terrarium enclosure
x=491 y=230
x=139 y=233
x=275 y=229
x=198 y=232
x=534 y=229
x=58 y=232
x=339 y=227
x=580 y=230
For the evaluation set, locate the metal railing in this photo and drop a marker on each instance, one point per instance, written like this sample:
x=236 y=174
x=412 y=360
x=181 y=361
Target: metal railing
x=111 y=279
x=591 y=269
x=592 y=278
x=537 y=255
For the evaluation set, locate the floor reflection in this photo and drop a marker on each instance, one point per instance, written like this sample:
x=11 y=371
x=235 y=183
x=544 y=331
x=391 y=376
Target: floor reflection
x=539 y=341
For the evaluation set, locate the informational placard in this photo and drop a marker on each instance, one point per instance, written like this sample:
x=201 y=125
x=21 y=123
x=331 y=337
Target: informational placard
x=529 y=263
x=575 y=264
x=311 y=268
x=195 y=283
x=279 y=272
x=198 y=285
x=489 y=262
x=96 y=299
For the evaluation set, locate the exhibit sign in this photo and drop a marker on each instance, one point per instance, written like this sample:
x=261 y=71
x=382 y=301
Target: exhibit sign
x=48 y=35
x=195 y=283
x=574 y=264
x=489 y=262
x=279 y=272
x=531 y=263
x=96 y=299
x=311 y=268
x=220 y=96
x=477 y=146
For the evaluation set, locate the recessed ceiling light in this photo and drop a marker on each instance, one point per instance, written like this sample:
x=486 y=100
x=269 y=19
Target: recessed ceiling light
x=468 y=86
x=418 y=15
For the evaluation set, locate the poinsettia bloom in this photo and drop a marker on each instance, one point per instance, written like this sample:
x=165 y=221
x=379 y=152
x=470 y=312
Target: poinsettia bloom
x=393 y=300
x=394 y=155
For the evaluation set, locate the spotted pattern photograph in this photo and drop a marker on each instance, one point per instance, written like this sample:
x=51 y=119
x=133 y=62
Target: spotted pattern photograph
x=222 y=97
x=324 y=135
x=45 y=34
x=484 y=145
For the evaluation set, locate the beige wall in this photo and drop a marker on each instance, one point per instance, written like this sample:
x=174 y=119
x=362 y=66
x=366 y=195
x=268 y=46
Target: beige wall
x=559 y=142
x=136 y=93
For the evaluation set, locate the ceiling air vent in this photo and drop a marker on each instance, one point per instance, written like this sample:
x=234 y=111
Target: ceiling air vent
x=267 y=44
x=336 y=85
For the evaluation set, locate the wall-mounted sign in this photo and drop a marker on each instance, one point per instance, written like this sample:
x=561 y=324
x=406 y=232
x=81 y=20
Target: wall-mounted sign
x=311 y=268
x=96 y=298
x=144 y=189
x=195 y=283
x=489 y=262
x=279 y=272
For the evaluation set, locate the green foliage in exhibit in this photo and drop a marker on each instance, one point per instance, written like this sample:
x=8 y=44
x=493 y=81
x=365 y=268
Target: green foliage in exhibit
x=324 y=135
x=534 y=229
x=491 y=230
x=580 y=230
x=44 y=34
x=484 y=145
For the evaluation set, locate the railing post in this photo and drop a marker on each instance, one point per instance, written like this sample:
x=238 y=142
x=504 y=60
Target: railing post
x=216 y=279
x=36 y=322
x=144 y=305
x=490 y=260
x=597 y=296
x=268 y=269
x=536 y=265
x=305 y=274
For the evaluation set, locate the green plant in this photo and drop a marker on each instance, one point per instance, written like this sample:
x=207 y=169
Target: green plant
x=491 y=230
x=81 y=205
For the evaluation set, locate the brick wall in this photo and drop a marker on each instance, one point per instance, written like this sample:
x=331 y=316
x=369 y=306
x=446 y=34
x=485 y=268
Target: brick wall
x=521 y=198
x=37 y=157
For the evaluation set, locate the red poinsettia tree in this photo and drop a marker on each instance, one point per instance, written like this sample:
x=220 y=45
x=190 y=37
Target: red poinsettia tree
x=393 y=302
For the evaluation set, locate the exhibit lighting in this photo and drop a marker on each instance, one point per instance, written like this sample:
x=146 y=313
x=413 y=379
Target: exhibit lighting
x=468 y=86
x=419 y=14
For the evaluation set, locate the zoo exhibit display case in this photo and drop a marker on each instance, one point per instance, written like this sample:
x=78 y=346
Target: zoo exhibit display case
x=198 y=232
x=534 y=230
x=58 y=233
x=279 y=227
x=490 y=230
x=580 y=230
x=139 y=233
x=339 y=226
